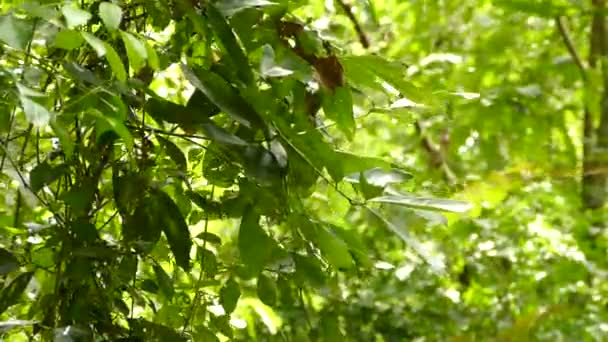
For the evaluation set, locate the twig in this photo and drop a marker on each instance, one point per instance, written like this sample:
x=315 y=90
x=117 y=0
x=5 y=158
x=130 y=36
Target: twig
x=565 y=34
x=349 y=13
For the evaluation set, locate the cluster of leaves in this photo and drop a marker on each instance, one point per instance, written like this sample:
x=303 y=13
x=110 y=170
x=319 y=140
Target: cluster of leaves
x=138 y=135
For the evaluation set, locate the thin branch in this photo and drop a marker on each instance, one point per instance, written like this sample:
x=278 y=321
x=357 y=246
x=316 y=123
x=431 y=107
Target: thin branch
x=349 y=13
x=160 y=131
x=565 y=34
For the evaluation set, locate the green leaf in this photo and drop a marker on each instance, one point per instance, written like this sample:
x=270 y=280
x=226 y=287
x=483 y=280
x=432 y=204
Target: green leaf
x=222 y=94
x=268 y=66
x=231 y=7
x=136 y=51
x=44 y=174
x=424 y=202
x=380 y=177
x=175 y=153
x=218 y=169
x=402 y=232
x=220 y=135
x=355 y=244
x=115 y=125
x=153 y=60
x=333 y=248
x=267 y=290
x=115 y=63
x=164 y=281
x=15 y=32
x=8 y=262
x=391 y=72
x=229 y=295
x=255 y=246
x=229 y=43
x=35 y=113
x=75 y=16
x=203 y=333
x=111 y=15
x=68 y=40
x=338 y=106
x=261 y=165
x=309 y=271
x=97 y=44
x=175 y=228
x=210 y=237
x=11 y=294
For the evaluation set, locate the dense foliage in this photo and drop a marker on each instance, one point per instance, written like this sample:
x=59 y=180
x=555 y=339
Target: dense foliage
x=303 y=170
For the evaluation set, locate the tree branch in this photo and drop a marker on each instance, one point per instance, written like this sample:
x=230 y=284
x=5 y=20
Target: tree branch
x=349 y=13
x=565 y=34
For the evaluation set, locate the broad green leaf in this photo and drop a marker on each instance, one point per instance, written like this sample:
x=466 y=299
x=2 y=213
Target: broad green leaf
x=403 y=233
x=80 y=197
x=231 y=7
x=218 y=168
x=333 y=248
x=424 y=202
x=255 y=246
x=229 y=295
x=356 y=246
x=115 y=125
x=97 y=44
x=175 y=228
x=338 y=106
x=267 y=290
x=15 y=32
x=380 y=177
x=309 y=271
x=268 y=66
x=11 y=294
x=261 y=165
x=115 y=63
x=110 y=14
x=174 y=152
x=136 y=51
x=203 y=333
x=210 y=237
x=44 y=174
x=228 y=41
x=68 y=39
x=390 y=72
x=153 y=60
x=164 y=281
x=222 y=94
x=35 y=113
x=220 y=135
x=8 y=262
x=201 y=104
x=75 y=16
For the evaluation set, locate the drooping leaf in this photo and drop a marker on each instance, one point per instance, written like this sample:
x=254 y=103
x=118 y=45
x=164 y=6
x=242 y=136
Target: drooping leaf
x=217 y=168
x=268 y=66
x=210 y=237
x=220 y=135
x=114 y=124
x=8 y=262
x=229 y=295
x=15 y=32
x=11 y=294
x=255 y=246
x=428 y=203
x=380 y=177
x=164 y=281
x=231 y=7
x=333 y=248
x=402 y=232
x=75 y=16
x=136 y=51
x=175 y=228
x=228 y=41
x=37 y=114
x=115 y=63
x=153 y=60
x=222 y=94
x=97 y=44
x=338 y=106
x=44 y=174
x=267 y=290
x=356 y=246
x=175 y=153
x=262 y=165
x=309 y=271
x=68 y=39
x=110 y=14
